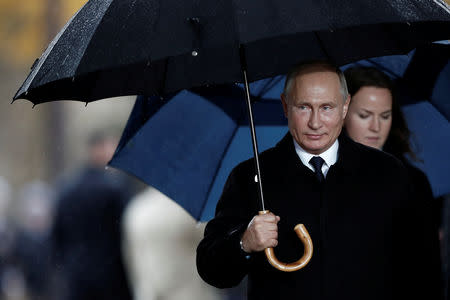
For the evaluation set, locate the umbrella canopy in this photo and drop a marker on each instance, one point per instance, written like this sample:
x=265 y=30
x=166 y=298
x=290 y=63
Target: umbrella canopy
x=123 y=47
x=187 y=145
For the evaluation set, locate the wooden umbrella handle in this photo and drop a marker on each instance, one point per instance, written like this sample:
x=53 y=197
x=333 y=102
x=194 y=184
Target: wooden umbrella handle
x=303 y=235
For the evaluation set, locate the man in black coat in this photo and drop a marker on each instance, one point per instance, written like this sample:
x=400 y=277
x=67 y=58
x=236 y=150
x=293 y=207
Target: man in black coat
x=355 y=202
x=87 y=231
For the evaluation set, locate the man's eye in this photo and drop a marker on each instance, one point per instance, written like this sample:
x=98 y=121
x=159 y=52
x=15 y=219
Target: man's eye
x=326 y=107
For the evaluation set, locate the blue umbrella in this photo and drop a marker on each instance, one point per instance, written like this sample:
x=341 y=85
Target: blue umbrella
x=187 y=144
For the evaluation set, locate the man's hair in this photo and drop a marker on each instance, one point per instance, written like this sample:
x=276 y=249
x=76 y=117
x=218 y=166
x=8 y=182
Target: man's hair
x=398 y=141
x=315 y=64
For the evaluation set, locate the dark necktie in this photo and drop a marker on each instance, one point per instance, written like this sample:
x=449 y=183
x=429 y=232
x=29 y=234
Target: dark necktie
x=317 y=163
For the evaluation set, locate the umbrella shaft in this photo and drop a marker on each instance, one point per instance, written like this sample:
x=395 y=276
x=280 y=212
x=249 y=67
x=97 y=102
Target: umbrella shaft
x=254 y=141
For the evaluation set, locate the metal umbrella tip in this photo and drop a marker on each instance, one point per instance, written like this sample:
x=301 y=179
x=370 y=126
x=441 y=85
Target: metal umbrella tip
x=194 y=53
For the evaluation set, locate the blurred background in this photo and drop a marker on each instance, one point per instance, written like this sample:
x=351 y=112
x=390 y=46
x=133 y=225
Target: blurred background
x=41 y=146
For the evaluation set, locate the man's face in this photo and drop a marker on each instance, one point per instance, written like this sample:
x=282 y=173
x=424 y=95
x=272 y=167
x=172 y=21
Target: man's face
x=315 y=109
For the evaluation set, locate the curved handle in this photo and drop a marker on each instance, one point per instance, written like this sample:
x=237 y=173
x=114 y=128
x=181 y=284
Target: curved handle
x=303 y=235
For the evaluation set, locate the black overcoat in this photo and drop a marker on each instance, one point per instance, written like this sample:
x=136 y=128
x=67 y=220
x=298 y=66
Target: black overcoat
x=363 y=221
x=87 y=235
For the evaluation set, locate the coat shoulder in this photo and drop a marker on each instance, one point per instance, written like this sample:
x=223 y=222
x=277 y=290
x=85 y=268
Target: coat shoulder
x=376 y=159
x=268 y=159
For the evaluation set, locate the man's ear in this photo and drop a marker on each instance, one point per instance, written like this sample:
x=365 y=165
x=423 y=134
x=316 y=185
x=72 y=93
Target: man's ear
x=284 y=103
x=346 y=104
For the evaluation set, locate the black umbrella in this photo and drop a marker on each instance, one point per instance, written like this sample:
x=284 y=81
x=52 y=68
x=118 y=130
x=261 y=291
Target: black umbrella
x=123 y=47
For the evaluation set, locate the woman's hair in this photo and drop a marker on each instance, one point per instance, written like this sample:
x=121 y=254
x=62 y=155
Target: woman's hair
x=398 y=141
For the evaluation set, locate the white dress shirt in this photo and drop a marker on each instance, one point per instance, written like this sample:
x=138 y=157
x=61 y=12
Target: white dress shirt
x=329 y=156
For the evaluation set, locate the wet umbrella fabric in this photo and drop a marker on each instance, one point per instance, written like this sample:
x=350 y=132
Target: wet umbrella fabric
x=168 y=148
x=122 y=47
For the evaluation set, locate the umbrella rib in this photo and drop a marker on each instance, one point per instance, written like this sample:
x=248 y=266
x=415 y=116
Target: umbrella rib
x=322 y=46
x=439 y=110
x=442 y=4
x=93 y=33
x=269 y=85
x=44 y=56
x=218 y=168
x=383 y=68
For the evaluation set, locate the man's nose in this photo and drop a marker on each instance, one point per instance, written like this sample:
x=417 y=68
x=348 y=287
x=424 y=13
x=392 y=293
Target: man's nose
x=314 y=120
x=375 y=124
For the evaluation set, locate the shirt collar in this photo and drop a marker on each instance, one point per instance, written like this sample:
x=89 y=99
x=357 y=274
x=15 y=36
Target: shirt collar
x=329 y=156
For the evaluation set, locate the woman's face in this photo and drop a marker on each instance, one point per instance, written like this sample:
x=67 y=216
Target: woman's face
x=369 y=116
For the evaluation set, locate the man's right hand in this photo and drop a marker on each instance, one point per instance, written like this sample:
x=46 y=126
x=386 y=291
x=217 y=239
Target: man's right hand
x=261 y=233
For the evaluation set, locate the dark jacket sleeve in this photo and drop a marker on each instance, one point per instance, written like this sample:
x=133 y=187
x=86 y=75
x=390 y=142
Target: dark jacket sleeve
x=220 y=260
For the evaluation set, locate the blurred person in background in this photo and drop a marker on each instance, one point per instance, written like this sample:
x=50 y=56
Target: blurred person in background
x=375 y=119
x=87 y=228
x=12 y=285
x=32 y=244
x=160 y=244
